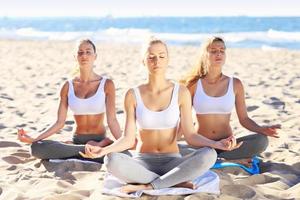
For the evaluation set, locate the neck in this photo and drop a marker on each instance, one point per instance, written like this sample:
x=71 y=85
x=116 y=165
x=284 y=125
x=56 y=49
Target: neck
x=86 y=75
x=157 y=82
x=213 y=78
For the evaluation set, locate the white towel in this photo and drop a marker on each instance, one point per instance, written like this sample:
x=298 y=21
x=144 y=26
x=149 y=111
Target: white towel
x=208 y=183
x=72 y=160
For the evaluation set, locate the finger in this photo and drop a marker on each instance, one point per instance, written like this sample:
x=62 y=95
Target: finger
x=276 y=135
x=276 y=126
x=229 y=147
x=238 y=145
x=233 y=142
x=83 y=154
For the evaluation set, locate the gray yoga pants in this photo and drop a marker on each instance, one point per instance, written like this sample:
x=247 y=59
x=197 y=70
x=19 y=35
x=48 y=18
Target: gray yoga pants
x=253 y=144
x=160 y=170
x=49 y=149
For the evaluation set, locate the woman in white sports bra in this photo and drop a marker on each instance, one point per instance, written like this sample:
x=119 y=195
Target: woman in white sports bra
x=90 y=96
x=214 y=95
x=156 y=108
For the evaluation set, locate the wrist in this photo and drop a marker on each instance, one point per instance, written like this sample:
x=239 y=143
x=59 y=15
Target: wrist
x=214 y=144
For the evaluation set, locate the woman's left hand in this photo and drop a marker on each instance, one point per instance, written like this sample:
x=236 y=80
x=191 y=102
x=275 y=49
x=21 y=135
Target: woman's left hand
x=92 y=151
x=270 y=130
x=228 y=144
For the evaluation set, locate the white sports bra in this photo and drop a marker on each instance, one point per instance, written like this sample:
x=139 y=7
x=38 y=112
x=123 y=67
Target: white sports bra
x=89 y=106
x=165 y=119
x=204 y=104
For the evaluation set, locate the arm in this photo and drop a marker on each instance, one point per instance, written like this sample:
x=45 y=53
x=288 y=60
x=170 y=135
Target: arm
x=112 y=121
x=244 y=119
x=191 y=88
x=61 y=118
x=189 y=131
x=126 y=141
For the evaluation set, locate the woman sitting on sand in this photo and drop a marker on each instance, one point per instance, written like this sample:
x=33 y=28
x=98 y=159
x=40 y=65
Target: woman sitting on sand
x=157 y=107
x=89 y=96
x=214 y=95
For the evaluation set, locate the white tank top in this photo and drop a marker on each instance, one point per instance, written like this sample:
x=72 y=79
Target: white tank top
x=204 y=104
x=89 y=106
x=165 y=119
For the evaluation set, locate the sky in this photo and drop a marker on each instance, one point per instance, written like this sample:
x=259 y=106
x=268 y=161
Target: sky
x=132 y=8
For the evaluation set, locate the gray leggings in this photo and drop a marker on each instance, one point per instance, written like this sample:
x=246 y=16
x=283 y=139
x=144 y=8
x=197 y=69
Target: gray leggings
x=160 y=170
x=252 y=145
x=49 y=149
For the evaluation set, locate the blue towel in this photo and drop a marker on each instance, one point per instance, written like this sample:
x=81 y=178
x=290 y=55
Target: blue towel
x=254 y=169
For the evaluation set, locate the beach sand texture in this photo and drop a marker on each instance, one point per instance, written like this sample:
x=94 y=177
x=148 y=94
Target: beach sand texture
x=32 y=73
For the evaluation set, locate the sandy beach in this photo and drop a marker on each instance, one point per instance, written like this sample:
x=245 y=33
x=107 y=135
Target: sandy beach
x=32 y=73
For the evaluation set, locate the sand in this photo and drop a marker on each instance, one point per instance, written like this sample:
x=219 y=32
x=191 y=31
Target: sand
x=32 y=73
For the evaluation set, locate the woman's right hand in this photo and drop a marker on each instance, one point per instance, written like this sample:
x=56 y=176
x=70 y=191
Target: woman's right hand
x=23 y=137
x=92 y=151
x=228 y=144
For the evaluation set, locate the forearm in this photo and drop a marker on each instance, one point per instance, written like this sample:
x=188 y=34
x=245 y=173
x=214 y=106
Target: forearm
x=115 y=129
x=50 y=131
x=250 y=125
x=105 y=142
x=122 y=144
x=198 y=140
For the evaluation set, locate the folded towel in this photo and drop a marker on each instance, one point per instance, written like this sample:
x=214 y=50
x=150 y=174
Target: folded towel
x=208 y=183
x=72 y=160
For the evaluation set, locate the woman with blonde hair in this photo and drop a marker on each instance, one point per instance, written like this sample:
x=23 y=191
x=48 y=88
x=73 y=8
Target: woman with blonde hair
x=90 y=97
x=214 y=95
x=157 y=107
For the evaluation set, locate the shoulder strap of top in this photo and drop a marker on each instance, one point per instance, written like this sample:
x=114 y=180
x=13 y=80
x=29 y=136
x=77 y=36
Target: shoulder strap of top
x=199 y=88
x=175 y=93
x=230 y=87
x=137 y=94
x=71 y=88
x=102 y=83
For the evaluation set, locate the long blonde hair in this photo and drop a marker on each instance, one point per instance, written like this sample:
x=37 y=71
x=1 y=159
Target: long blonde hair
x=201 y=66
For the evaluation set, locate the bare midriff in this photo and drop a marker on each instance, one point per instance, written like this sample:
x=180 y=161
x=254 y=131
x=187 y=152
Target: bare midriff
x=214 y=126
x=157 y=141
x=90 y=124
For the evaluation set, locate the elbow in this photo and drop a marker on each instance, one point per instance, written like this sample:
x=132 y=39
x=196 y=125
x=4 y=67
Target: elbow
x=243 y=121
x=132 y=143
x=190 y=140
x=111 y=122
x=60 y=124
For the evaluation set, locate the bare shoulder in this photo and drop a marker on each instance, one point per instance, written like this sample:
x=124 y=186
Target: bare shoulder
x=237 y=84
x=109 y=85
x=192 y=88
x=64 y=89
x=183 y=90
x=184 y=94
x=130 y=97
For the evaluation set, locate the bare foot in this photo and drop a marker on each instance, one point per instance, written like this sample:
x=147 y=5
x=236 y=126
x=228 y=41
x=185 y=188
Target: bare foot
x=68 y=142
x=187 y=184
x=129 y=188
x=245 y=161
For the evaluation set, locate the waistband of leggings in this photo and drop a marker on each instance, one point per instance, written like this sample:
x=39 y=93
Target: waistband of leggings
x=155 y=155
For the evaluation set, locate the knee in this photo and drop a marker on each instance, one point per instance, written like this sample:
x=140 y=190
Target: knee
x=262 y=142
x=207 y=156
x=36 y=148
x=112 y=160
x=211 y=155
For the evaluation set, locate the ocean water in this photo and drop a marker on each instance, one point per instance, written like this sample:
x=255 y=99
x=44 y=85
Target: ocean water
x=243 y=32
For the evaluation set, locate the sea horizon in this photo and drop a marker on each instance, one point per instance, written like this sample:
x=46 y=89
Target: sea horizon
x=239 y=31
